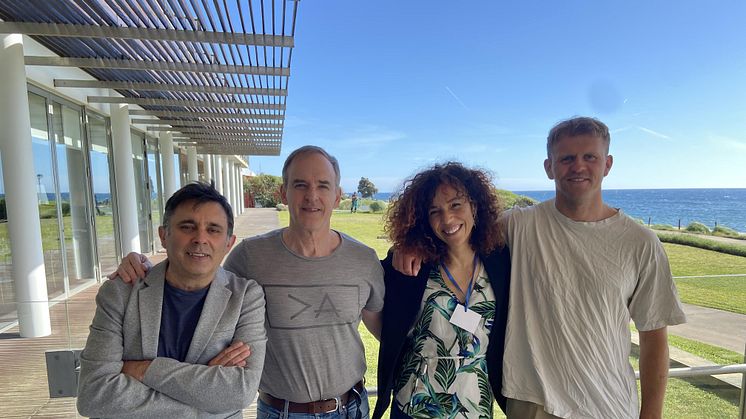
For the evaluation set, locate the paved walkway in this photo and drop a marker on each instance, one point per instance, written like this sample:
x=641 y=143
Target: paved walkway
x=716 y=327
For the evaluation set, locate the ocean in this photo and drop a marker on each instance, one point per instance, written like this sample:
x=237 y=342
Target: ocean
x=723 y=207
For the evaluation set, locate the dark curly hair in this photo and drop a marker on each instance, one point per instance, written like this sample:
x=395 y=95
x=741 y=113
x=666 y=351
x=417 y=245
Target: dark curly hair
x=407 y=219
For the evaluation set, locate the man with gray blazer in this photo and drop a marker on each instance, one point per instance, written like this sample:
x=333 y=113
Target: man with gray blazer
x=186 y=341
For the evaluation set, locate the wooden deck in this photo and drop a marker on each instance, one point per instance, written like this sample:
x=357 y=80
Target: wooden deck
x=24 y=391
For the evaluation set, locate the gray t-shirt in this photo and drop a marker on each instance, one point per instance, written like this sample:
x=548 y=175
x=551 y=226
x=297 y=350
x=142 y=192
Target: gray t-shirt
x=314 y=350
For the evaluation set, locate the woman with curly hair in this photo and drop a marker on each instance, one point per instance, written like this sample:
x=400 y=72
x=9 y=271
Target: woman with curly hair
x=444 y=330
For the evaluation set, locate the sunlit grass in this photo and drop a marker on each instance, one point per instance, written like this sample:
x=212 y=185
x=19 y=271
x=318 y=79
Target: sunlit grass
x=724 y=293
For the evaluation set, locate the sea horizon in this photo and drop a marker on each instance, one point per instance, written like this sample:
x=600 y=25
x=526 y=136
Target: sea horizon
x=724 y=207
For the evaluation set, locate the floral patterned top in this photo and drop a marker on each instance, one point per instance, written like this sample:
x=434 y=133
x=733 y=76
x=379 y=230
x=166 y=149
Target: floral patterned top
x=443 y=372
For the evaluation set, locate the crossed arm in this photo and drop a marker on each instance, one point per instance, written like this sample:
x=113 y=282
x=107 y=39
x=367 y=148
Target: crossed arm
x=111 y=386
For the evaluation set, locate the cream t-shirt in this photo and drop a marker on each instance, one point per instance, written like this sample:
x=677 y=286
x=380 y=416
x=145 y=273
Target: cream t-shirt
x=574 y=287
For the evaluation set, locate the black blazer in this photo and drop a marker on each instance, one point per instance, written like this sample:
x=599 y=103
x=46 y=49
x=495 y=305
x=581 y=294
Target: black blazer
x=402 y=304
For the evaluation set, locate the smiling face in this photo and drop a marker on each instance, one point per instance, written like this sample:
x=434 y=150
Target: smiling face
x=311 y=193
x=578 y=165
x=451 y=216
x=196 y=240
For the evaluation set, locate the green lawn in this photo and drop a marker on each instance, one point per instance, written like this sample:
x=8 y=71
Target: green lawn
x=725 y=293
x=690 y=261
x=50 y=233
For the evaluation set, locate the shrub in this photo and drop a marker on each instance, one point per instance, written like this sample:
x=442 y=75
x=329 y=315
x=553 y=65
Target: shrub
x=510 y=199
x=727 y=232
x=524 y=201
x=281 y=207
x=265 y=189
x=345 y=204
x=666 y=227
x=696 y=227
x=703 y=243
x=376 y=206
x=47 y=211
x=3 y=211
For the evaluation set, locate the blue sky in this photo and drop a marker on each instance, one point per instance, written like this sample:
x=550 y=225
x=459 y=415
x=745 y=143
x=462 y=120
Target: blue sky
x=390 y=87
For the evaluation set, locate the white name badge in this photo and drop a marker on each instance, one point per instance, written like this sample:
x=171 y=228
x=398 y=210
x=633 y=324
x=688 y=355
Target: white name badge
x=465 y=319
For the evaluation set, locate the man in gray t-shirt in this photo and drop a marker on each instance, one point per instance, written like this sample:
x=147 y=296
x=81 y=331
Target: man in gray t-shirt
x=314 y=312
x=318 y=285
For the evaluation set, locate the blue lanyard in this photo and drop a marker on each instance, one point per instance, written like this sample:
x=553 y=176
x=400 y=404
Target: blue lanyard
x=467 y=294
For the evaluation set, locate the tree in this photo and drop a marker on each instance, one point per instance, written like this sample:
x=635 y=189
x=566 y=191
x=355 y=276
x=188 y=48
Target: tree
x=265 y=189
x=366 y=188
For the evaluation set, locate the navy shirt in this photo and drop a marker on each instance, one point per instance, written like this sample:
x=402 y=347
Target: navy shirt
x=179 y=316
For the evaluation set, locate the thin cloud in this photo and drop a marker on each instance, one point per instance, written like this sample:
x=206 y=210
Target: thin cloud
x=728 y=142
x=654 y=133
x=373 y=137
x=618 y=130
x=457 y=98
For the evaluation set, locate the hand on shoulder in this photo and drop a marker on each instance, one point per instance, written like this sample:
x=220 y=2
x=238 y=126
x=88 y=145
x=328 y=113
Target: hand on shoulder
x=406 y=263
x=132 y=267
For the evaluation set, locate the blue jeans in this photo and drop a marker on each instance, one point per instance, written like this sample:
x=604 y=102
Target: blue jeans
x=354 y=406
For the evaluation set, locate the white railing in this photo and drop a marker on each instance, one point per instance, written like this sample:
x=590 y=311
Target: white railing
x=711 y=370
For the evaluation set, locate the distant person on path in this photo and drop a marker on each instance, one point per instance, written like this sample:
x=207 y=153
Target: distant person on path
x=580 y=270
x=319 y=284
x=353 y=207
x=434 y=364
x=186 y=341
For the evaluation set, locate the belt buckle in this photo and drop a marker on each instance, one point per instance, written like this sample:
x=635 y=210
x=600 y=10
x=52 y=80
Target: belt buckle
x=336 y=408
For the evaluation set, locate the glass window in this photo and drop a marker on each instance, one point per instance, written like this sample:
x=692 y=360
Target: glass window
x=141 y=194
x=100 y=158
x=45 y=189
x=73 y=195
x=156 y=192
x=7 y=288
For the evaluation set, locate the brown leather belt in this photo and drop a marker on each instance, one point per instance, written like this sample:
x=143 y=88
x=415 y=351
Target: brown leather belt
x=320 y=406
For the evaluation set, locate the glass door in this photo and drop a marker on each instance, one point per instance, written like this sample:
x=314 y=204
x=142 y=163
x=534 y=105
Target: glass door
x=49 y=217
x=101 y=182
x=142 y=192
x=73 y=195
x=156 y=194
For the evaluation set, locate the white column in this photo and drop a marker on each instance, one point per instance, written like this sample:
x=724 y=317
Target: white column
x=125 y=177
x=226 y=177
x=167 y=163
x=192 y=163
x=234 y=187
x=207 y=166
x=241 y=195
x=182 y=173
x=218 y=160
x=21 y=202
x=228 y=180
x=239 y=189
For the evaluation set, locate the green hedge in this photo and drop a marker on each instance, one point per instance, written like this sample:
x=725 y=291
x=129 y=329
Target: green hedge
x=702 y=243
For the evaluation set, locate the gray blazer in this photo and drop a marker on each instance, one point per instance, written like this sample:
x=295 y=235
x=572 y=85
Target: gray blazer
x=126 y=326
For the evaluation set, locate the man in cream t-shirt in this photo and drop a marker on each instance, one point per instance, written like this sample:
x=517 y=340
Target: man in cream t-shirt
x=580 y=271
